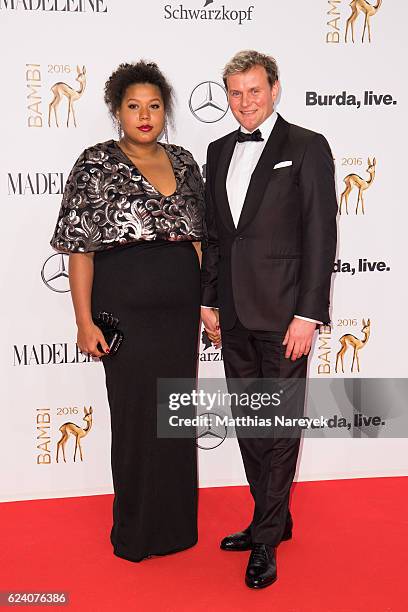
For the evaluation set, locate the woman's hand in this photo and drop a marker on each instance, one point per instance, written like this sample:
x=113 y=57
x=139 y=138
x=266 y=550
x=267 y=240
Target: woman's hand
x=210 y=319
x=88 y=337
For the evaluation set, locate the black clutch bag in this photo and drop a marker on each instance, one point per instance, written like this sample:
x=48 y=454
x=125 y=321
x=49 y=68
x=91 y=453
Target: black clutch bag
x=107 y=323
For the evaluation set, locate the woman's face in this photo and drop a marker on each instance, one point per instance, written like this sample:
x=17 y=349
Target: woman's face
x=141 y=113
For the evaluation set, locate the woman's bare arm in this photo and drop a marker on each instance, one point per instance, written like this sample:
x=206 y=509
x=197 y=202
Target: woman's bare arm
x=81 y=271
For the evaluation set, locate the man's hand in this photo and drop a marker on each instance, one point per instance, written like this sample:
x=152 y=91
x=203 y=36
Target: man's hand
x=298 y=338
x=210 y=319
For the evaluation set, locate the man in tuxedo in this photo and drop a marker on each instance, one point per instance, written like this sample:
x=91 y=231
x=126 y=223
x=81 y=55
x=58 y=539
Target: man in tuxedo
x=266 y=271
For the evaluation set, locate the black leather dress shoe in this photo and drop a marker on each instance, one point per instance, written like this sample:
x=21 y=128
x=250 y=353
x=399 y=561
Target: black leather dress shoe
x=242 y=539
x=261 y=570
x=238 y=541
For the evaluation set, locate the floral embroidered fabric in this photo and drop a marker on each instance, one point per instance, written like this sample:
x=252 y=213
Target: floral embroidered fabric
x=108 y=202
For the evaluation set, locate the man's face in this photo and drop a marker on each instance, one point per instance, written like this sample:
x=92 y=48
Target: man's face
x=251 y=97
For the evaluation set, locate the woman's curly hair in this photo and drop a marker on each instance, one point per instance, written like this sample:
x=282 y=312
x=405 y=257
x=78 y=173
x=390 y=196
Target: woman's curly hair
x=131 y=74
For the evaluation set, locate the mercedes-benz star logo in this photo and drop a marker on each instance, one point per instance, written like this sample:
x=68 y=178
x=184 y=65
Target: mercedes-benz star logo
x=212 y=435
x=55 y=274
x=208 y=102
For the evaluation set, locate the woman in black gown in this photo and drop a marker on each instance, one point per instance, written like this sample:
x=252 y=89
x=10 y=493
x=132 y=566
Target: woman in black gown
x=130 y=212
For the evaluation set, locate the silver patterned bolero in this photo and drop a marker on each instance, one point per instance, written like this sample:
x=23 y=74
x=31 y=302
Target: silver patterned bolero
x=107 y=202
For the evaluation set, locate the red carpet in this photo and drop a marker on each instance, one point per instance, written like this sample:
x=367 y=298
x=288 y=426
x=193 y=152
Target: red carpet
x=349 y=554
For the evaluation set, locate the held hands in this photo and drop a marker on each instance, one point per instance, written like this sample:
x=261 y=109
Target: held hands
x=298 y=338
x=210 y=319
x=88 y=337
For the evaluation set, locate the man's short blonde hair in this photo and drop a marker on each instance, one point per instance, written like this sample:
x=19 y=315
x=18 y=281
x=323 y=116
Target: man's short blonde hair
x=244 y=60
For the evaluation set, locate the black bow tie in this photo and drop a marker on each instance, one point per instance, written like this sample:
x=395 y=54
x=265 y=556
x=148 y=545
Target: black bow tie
x=254 y=137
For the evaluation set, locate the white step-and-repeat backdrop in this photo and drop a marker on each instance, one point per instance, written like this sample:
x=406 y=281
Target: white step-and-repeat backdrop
x=354 y=92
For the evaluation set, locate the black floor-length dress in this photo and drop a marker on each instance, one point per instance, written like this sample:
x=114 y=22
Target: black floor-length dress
x=146 y=273
x=154 y=290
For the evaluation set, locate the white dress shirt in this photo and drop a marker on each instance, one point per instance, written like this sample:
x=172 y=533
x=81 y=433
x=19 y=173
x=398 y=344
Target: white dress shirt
x=243 y=162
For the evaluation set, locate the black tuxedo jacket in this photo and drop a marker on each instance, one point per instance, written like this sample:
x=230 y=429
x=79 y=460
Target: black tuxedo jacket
x=279 y=260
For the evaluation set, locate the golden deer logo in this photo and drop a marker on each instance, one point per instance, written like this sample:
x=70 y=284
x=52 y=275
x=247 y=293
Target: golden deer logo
x=78 y=432
x=354 y=180
x=351 y=341
x=368 y=9
x=62 y=89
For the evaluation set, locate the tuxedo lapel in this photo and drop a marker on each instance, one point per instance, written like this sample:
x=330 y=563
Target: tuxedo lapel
x=221 y=181
x=263 y=171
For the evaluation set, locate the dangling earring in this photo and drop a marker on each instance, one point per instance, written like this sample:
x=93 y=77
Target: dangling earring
x=166 y=132
x=119 y=128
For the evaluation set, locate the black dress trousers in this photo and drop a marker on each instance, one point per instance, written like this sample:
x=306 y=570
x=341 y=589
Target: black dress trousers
x=269 y=460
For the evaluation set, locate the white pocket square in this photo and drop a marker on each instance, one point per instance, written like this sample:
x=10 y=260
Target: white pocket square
x=282 y=164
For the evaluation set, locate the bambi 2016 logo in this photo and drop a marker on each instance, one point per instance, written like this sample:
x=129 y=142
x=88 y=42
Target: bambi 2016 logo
x=45 y=423
x=54 y=102
x=351 y=23
x=339 y=352
x=355 y=344
x=77 y=432
x=355 y=182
